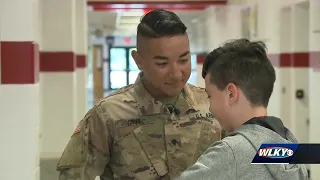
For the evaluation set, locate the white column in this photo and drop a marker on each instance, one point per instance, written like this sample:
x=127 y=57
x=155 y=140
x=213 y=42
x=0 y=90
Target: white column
x=217 y=25
x=222 y=34
x=57 y=77
x=300 y=73
x=286 y=48
x=269 y=33
x=19 y=91
x=233 y=21
x=210 y=24
x=314 y=85
x=201 y=40
x=200 y=36
x=81 y=53
x=212 y=32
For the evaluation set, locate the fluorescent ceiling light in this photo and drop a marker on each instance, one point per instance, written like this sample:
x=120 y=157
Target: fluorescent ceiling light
x=127 y=26
x=125 y=31
x=130 y=21
x=133 y=6
x=132 y=13
x=194 y=20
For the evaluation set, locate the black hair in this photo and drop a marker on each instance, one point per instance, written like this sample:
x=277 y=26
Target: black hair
x=160 y=23
x=245 y=64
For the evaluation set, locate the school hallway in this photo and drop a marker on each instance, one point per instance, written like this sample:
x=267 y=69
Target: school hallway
x=58 y=58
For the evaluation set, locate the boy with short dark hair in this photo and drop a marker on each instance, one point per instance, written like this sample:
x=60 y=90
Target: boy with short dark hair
x=239 y=81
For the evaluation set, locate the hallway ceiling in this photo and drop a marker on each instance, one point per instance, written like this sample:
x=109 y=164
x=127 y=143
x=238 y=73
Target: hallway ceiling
x=154 y=1
x=125 y=23
x=122 y=17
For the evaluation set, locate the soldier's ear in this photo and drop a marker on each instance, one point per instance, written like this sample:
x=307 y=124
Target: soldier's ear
x=137 y=58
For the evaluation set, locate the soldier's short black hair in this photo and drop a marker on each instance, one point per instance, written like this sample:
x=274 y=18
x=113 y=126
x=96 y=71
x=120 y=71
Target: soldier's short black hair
x=245 y=64
x=160 y=23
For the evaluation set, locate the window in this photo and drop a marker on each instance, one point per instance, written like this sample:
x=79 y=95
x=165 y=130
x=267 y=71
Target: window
x=193 y=76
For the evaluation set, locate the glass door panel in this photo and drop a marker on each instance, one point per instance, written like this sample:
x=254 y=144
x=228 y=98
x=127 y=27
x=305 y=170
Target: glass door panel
x=193 y=62
x=118 y=79
x=118 y=67
x=133 y=76
x=193 y=78
x=118 y=59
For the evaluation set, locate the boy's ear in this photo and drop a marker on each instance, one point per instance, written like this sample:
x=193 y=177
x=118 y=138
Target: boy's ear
x=233 y=92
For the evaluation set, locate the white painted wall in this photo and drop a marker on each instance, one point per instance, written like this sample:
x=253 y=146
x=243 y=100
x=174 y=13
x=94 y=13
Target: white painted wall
x=286 y=72
x=300 y=76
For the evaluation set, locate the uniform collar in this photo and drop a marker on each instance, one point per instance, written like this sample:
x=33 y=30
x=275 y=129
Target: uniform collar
x=149 y=105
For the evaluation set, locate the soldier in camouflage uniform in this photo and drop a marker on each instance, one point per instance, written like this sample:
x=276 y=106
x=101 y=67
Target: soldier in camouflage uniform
x=152 y=129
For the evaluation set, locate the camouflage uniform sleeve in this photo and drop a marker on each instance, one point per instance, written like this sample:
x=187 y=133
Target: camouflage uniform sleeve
x=87 y=152
x=223 y=133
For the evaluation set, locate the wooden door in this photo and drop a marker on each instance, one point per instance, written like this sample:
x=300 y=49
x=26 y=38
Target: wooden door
x=98 y=90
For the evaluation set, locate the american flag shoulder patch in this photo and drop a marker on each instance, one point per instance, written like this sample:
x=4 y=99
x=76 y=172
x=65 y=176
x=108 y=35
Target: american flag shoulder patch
x=77 y=130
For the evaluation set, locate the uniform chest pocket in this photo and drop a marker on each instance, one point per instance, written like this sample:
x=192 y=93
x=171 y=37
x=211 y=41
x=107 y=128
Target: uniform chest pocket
x=210 y=130
x=141 y=148
x=188 y=138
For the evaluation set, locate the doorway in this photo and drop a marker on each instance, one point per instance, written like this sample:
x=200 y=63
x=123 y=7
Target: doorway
x=123 y=69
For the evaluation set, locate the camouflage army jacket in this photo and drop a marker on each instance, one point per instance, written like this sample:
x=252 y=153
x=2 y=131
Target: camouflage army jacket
x=131 y=136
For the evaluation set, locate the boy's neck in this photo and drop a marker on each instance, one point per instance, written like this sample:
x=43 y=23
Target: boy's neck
x=258 y=112
x=249 y=113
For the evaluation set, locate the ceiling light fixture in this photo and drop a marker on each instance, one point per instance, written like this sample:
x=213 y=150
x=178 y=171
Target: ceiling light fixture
x=132 y=13
x=130 y=21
